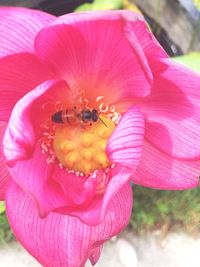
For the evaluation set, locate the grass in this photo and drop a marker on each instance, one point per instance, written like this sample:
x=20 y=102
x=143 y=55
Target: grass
x=5 y=231
x=166 y=210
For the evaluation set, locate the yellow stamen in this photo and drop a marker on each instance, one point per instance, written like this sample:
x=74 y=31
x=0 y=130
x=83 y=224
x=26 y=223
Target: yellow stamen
x=87 y=139
x=87 y=166
x=103 y=133
x=102 y=144
x=87 y=153
x=71 y=158
x=67 y=146
x=82 y=148
x=103 y=160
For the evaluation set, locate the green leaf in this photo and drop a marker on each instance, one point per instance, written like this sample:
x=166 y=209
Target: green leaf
x=2 y=207
x=100 y=5
x=191 y=60
x=84 y=7
x=162 y=207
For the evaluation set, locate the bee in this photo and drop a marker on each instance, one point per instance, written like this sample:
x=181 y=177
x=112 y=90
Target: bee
x=72 y=116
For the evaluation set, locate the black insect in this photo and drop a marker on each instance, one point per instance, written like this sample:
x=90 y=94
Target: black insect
x=88 y=115
x=72 y=116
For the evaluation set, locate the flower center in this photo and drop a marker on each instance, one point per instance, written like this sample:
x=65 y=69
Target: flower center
x=81 y=149
x=76 y=136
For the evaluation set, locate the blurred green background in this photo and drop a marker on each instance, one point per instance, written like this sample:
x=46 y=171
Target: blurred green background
x=153 y=209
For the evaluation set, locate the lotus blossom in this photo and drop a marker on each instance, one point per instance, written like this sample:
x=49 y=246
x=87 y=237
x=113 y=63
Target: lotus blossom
x=65 y=175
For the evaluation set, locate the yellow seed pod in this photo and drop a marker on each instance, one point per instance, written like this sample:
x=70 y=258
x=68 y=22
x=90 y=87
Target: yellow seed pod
x=82 y=149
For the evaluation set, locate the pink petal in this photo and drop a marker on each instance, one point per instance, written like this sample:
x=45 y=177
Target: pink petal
x=34 y=176
x=61 y=240
x=19 y=74
x=27 y=116
x=151 y=47
x=124 y=149
x=95 y=211
x=50 y=186
x=96 y=50
x=135 y=22
x=18 y=28
x=160 y=171
x=53 y=189
x=95 y=255
x=125 y=144
x=4 y=174
x=173 y=110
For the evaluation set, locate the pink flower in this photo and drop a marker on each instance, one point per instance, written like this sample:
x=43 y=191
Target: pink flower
x=67 y=185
